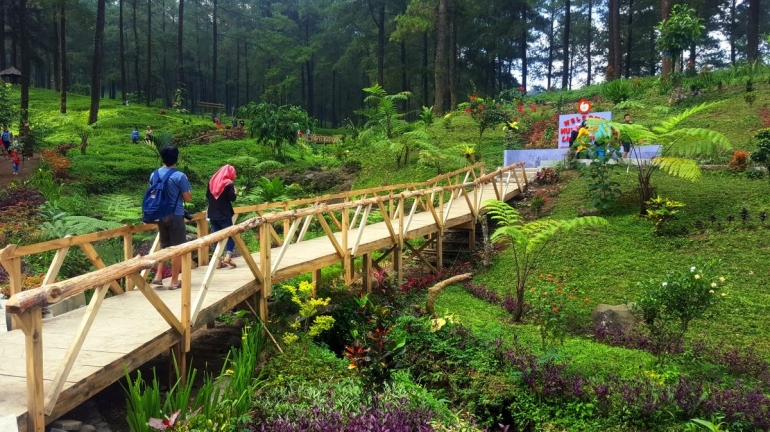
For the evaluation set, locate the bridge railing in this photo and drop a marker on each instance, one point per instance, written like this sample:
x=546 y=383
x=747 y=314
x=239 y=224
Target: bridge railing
x=348 y=213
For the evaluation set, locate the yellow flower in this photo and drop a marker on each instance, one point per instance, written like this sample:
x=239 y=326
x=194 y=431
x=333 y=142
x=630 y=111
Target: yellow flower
x=713 y=284
x=724 y=294
x=721 y=279
x=449 y=114
x=697 y=276
x=229 y=372
x=711 y=291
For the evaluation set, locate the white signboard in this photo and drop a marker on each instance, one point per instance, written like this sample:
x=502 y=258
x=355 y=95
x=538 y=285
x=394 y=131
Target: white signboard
x=570 y=122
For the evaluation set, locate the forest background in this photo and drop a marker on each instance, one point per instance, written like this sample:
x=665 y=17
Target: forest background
x=319 y=54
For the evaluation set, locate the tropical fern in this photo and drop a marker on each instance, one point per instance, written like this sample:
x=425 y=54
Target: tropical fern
x=119 y=208
x=74 y=225
x=669 y=124
x=528 y=240
x=683 y=168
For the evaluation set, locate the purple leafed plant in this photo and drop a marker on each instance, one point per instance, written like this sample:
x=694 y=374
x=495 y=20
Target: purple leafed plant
x=378 y=418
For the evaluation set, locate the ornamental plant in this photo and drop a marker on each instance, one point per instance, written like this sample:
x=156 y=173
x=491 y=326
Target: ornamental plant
x=555 y=308
x=668 y=305
x=486 y=114
x=762 y=154
x=662 y=211
x=309 y=307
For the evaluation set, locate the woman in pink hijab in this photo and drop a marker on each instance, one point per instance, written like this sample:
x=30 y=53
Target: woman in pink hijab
x=221 y=194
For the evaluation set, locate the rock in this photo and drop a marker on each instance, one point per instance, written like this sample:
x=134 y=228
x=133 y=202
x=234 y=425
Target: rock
x=615 y=317
x=88 y=428
x=67 y=425
x=53 y=429
x=587 y=211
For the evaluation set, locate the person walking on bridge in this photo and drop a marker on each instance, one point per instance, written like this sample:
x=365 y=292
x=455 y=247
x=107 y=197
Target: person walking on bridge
x=171 y=228
x=221 y=195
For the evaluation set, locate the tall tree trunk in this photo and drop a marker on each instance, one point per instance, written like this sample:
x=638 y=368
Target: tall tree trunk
x=565 y=50
x=180 y=47
x=248 y=84
x=334 y=97
x=310 y=64
x=523 y=45
x=589 y=34
x=629 y=37
x=148 y=84
x=122 y=54
x=453 y=62
x=404 y=86
x=3 y=64
x=237 y=73
x=439 y=64
x=55 y=50
x=732 y=32
x=96 y=69
x=425 y=96
x=381 y=44
x=214 y=92
x=665 y=10
x=164 y=54
x=25 y=60
x=138 y=86
x=551 y=37
x=752 y=31
x=613 y=70
x=63 y=60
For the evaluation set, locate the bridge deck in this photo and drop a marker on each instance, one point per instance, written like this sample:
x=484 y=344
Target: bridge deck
x=128 y=331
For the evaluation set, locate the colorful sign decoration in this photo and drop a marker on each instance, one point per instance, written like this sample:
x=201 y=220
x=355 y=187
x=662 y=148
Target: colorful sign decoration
x=584 y=106
x=570 y=122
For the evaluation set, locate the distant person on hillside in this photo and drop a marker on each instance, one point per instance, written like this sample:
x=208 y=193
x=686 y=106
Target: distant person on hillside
x=220 y=195
x=148 y=133
x=135 y=135
x=242 y=124
x=7 y=138
x=235 y=122
x=625 y=139
x=16 y=161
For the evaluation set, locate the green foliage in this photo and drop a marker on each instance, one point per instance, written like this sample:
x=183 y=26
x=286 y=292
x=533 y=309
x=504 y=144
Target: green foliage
x=73 y=225
x=275 y=126
x=668 y=305
x=628 y=104
x=662 y=211
x=249 y=167
x=268 y=191
x=680 y=30
x=6 y=105
x=309 y=307
x=486 y=114
x=528 y=241
x=617 y=91
x=762 y=154
x=603 y=190
x=555 y=309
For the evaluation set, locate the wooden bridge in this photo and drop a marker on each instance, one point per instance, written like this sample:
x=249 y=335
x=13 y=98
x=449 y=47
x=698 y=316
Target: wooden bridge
x=48 y=367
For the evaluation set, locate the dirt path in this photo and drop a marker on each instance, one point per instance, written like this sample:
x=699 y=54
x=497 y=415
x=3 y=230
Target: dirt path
x=26 y=169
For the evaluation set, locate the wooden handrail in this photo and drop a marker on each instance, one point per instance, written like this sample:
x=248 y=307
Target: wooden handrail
x=56 y=292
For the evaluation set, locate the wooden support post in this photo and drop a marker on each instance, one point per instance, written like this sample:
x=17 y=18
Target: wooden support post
x=346 y=259
x=366 y=272
x=397 y=264
x=440 y=249
x=265 y=266
x=128 y=253
x=472 y=237
x=184 y=341
x=316 y=281
x=13 y=268
x=32 y=324
x=203 y=251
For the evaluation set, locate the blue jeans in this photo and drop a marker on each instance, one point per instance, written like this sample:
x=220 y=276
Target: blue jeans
x=218 y=224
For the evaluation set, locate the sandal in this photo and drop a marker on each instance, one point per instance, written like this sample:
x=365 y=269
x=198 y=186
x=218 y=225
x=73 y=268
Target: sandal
x=229 y=262
x=157 y=283
x=221 y=265
x=175 y=287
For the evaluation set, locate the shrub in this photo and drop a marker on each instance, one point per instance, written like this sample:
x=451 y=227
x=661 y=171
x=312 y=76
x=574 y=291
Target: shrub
x=668 y=305
x=662 y=211
x=617 y=90
x=58 y=164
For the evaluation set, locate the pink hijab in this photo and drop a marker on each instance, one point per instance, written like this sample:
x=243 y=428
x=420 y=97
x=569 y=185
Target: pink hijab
x=221 y=179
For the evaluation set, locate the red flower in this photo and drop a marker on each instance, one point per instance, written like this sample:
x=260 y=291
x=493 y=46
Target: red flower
x=481 y=107
x=556 y=310
x=521 y=88
x=473 y=97
x=520 y=108
x=468 y=110
x=533 y=108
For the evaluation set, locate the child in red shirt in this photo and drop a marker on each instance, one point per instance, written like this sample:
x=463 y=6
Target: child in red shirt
x=16 y=161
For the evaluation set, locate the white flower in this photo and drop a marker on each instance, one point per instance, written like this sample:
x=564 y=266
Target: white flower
x=697 y=276
x=692 y=269
x=711 y=291
x=721 y=279
x=724 y=294
x=713 y=284
x=665 y=284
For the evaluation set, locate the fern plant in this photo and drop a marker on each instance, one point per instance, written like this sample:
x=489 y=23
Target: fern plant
x=680 y=148
x=529 y=240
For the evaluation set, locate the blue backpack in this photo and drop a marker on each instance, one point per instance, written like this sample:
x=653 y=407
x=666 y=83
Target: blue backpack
x=6 y=136
x=155 y=204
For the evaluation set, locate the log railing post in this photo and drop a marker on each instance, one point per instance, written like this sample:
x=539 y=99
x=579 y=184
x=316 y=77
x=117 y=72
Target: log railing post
x=265 y=266
x=346 y=261
x=13 y=268
x=128 y=253
x=203 y=252
x=31 y=323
